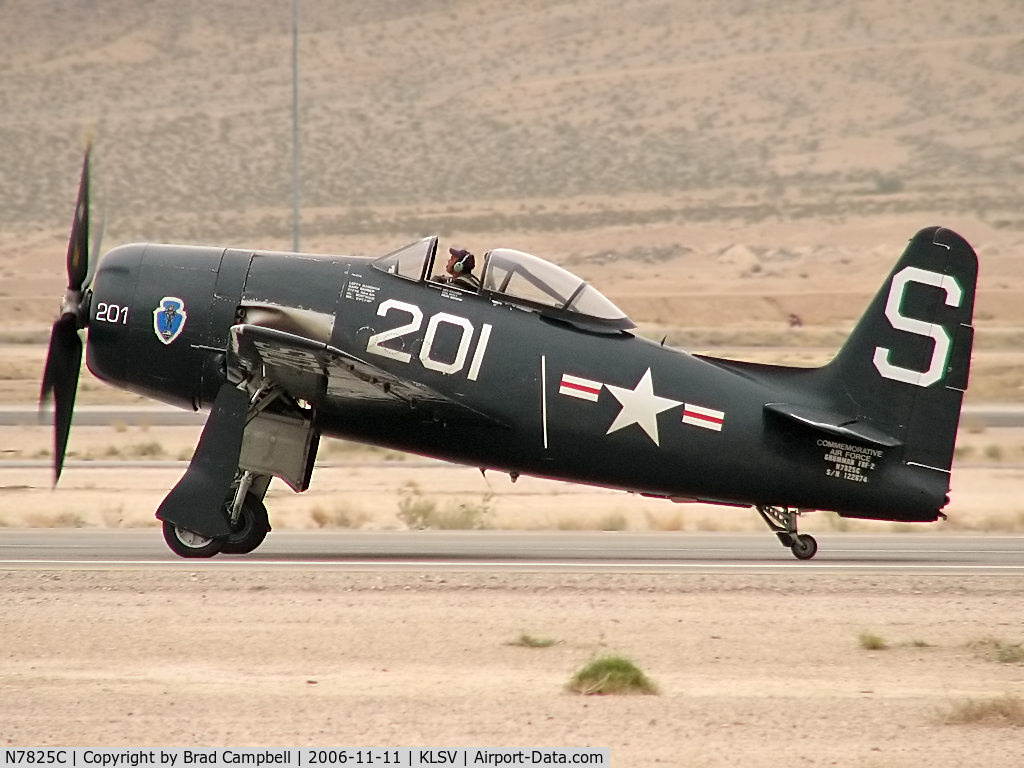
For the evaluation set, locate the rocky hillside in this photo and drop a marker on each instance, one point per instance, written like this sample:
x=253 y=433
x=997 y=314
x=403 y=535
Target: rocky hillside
x=480 y=115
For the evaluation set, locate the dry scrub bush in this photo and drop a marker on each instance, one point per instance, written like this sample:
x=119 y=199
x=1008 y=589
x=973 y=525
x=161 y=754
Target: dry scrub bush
x=531 y=641
x=871 y=642
x=1004 y=710
x=63 y=520
x=1009 y=522
x=611 y=675
x=342 y=516
x=613 y=521
x=150 y=450
x=419 y=511
x=996 y=650
x=674 y=521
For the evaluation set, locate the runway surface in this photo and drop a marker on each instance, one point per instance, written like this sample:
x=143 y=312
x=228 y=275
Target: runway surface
x=662 y=552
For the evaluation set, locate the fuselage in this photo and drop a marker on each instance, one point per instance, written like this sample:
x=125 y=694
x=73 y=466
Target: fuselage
x=537 y=395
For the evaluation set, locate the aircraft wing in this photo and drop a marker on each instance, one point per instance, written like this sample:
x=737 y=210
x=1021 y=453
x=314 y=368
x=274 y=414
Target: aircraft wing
x=310 y=370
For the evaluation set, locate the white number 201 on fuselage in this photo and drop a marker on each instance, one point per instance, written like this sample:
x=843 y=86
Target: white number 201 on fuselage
x=374 y=344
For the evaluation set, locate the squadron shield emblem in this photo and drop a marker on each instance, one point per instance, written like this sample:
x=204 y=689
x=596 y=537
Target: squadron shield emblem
x=169 y=319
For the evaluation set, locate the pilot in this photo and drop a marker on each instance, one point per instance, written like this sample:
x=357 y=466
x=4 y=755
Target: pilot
x=460 y=270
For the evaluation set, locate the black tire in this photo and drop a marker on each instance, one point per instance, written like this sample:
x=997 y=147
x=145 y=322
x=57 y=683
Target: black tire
x=804 y=547
x=185 y=543
x=250 y=530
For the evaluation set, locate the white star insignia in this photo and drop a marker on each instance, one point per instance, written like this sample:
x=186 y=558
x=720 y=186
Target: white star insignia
x=640 y=406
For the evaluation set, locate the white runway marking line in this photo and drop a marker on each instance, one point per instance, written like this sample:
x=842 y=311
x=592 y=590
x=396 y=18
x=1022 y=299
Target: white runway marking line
x=373 y=564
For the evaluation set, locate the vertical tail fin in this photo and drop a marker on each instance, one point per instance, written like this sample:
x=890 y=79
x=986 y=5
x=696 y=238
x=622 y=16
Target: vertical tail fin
x=905 y=366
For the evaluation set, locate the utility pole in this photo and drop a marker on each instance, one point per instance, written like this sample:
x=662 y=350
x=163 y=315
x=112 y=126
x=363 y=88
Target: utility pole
x=295 y=125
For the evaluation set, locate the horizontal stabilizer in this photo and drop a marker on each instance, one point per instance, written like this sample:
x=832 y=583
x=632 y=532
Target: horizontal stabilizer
x=834 y=423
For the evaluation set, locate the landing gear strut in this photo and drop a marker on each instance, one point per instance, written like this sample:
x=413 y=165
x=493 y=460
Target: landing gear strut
x=782 y=521
x=248 y=519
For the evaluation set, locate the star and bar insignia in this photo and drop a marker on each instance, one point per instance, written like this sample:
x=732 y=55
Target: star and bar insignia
x=640 y=405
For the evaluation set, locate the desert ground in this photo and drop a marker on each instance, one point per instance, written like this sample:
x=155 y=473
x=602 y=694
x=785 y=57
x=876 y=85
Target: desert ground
x=752 y=671
x=714 y=169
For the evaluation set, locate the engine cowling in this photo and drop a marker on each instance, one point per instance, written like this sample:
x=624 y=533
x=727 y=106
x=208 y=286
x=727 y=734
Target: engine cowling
x=150 y=320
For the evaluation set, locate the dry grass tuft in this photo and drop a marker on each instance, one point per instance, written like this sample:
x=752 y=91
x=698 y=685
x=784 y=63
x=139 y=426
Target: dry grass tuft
x=63 y=520
x=342 y=516
x=718 y=524
x=674 y=521
x=150 y=450
x=611 y=675
x=994 y=452
x=871 y=642
x=419 y=511
x=613 y=521
x=573 y=524
x=837 y=522
x=996 y=650
x=1004 y=710
x=530 y=641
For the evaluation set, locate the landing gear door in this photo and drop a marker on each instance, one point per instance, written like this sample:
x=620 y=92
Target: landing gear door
x=280 y=445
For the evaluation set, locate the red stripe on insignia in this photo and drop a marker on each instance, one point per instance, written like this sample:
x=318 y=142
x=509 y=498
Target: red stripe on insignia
x=574 y=386
x=582 y=387
x=698 y=416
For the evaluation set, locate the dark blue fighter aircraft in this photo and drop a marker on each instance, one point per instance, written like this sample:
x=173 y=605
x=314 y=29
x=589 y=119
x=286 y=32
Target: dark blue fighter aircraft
x=531 y=372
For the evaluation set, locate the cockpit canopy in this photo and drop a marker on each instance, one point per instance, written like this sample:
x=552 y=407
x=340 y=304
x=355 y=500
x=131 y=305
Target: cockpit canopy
x=521 y=279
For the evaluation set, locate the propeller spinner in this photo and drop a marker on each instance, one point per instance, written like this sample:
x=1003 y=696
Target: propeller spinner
x=64 y=358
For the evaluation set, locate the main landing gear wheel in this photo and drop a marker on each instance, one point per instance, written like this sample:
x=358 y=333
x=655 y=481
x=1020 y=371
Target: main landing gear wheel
x=249 y=530
x=185 y=543
x=804 y=547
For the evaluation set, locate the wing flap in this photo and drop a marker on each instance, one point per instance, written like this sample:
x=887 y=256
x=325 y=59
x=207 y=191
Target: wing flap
x=313 y=370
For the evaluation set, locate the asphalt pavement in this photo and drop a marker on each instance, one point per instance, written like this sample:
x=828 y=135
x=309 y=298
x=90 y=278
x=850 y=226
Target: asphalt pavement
x=592 y=551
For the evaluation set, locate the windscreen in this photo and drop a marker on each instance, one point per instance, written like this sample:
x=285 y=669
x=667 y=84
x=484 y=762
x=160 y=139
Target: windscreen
x=410 y=261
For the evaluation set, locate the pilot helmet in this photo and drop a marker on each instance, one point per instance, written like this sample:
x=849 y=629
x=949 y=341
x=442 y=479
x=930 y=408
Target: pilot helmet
x=466 y=261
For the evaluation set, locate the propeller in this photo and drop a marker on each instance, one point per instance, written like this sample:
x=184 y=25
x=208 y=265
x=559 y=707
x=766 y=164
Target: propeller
x=64 y=358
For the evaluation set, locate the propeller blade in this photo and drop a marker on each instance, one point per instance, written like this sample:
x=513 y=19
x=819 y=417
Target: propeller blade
x=64 y=358
x=60 y=383
x=94 y=251
x=78 y=244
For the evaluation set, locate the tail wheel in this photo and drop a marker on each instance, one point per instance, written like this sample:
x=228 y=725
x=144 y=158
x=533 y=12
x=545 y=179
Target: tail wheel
x=251 y=528
x=185 y=543
x=804 y=547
